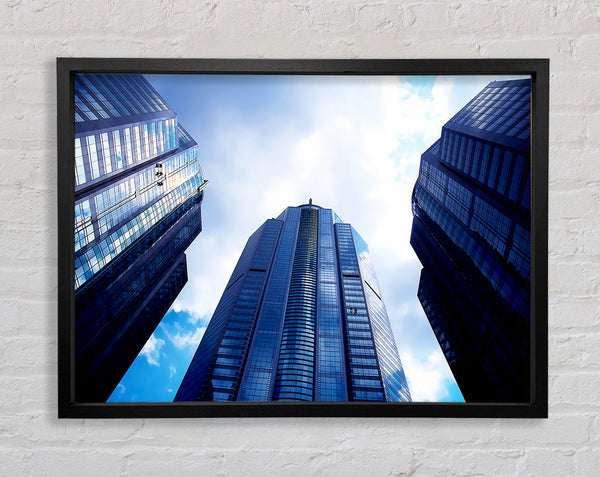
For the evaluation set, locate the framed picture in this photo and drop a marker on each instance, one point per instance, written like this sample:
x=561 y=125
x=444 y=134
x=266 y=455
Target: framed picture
x=302 y=237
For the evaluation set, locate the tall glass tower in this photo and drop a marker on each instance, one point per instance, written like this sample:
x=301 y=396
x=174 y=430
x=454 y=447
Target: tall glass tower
x=301 y=319
x=138 y=190
x=471 y=232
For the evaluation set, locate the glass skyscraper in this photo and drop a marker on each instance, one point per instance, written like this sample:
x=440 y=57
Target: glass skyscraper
x=301 y=319
x=138 y=190
x=471 y=232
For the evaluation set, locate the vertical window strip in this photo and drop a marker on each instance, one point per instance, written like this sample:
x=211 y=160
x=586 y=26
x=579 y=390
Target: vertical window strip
x=476 y=165
x=174 y=135
x=117 y=149
x=485 y=159
x=167 y=134
x=79 y=167
x=128 y=145
x=106 y=153
x=138 y=143
x=469 y=155
x=494 y=168
x=161 y=139
x=506 y=163
x=153 y=138
x=516 y=178
x=93 y=156
x=146 y=141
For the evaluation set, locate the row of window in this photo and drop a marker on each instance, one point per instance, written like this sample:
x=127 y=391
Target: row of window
x=498 y=169
x=120 y=202
x=503 y=111
x=490 y=266
x=100 y=154
x=113 y=96
x=474 y=212
x=89 y=263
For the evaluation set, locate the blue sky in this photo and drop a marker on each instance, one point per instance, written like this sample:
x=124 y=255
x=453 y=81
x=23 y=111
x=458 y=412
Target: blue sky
x=353 y=144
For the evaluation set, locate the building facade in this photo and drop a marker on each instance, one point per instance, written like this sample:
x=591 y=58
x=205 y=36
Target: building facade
x=471 y=232
x=301 y=319
x=138 y=190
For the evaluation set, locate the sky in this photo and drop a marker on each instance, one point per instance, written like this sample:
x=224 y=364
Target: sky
x=352 y=144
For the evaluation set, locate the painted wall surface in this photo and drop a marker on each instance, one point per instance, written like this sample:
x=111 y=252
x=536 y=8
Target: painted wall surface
x=34 y=442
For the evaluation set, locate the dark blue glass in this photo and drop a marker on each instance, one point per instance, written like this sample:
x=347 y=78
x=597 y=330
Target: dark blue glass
x=471 y=233
x=316 y=336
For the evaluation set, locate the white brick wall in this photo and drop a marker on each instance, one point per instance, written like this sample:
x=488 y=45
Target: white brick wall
x=34 y=442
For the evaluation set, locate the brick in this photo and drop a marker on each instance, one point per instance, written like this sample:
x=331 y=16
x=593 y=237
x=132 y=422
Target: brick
x=574 y=312
x=587 y=461
x=16 y=311
x=547 y=462
x=585 y=48
x=189 y=462
x=21 y=355
x=561 y=204
x=468 y=462
x=333 y=16
x=15 y=461
x=575 y=351
x=585 y=98
x=584 y=274
x=39 y=16
x=379 y=18
x=513 y=434
x=90 y=462
x=576 y=388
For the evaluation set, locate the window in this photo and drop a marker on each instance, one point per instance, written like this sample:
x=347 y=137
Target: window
x=106 y=153
x=93 y=156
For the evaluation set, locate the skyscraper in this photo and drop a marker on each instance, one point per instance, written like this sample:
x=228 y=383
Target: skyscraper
x=138 y=190
x=301 y=319
x=471 y=232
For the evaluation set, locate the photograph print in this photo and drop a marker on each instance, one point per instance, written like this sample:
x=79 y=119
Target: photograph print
x=302 y=238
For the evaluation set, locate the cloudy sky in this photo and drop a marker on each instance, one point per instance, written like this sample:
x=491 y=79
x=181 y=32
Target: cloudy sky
x=352 y=144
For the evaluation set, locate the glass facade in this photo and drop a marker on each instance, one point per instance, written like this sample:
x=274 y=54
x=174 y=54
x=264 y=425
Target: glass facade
x=471 y=232
x=138 y=189
x=296 y=323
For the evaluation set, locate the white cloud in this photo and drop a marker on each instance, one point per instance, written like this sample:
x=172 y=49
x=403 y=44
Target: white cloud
x=172 y=371
x=151 y=350
x=185 y=339
x=427 y=379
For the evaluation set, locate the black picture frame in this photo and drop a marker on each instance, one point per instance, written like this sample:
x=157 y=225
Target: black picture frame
x=539 y=71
